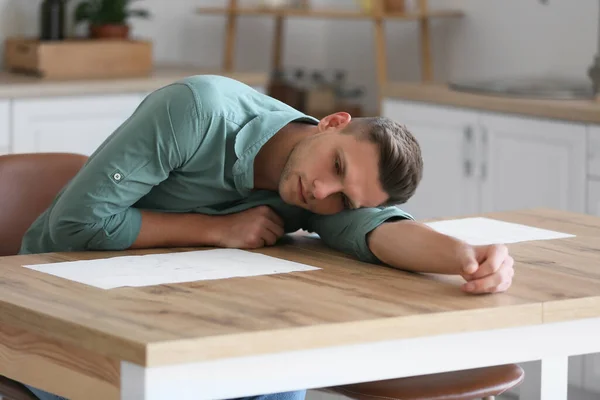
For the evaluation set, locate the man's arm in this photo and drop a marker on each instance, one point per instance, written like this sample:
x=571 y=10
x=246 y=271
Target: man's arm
x=416 y=247
x=392 y=237
x=413 y=246
x=95 y=211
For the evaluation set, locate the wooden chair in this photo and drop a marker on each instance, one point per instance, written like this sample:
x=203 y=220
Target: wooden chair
x=29 y=183
x=481 y=383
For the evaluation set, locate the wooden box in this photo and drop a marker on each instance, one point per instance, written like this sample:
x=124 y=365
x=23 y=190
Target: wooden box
x=78 y=58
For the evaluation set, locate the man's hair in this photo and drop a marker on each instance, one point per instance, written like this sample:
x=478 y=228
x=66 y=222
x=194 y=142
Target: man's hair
x=400 y=160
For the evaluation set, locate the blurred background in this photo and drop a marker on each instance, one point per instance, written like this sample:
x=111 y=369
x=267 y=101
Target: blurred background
x=502 y=95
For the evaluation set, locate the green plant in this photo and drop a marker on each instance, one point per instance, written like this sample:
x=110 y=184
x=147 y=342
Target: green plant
x=107 y=12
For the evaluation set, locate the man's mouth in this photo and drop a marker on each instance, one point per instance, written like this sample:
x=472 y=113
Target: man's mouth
x=301 y=191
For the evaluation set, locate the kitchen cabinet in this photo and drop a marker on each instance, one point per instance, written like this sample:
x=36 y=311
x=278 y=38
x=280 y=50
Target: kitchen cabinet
x=481 y=162
x=4 y=126
x=448 y=142
x=530 y=163
x=76 y=124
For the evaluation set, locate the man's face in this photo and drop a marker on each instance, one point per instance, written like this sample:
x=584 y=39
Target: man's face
x=332 y=171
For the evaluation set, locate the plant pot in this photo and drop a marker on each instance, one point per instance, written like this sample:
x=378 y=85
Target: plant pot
x=109 y=31
x=394 y=6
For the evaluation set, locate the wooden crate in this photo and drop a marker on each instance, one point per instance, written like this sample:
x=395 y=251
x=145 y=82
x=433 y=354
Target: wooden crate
x=78 y=58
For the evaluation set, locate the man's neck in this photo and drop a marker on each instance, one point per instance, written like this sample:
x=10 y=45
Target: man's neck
x=272 y=157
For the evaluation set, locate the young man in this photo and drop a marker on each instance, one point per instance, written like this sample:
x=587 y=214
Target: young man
x=208 y=161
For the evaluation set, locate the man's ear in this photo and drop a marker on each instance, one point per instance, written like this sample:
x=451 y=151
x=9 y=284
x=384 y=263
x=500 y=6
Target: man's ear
x=339 y=121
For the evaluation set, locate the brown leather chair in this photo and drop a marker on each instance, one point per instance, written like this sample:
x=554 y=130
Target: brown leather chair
x=481 y=383
x=28 y=184
x=11 y=390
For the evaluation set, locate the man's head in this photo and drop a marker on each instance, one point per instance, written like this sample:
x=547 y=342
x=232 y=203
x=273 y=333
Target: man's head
x=352 y=163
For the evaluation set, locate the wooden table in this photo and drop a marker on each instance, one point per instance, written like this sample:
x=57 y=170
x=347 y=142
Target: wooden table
x=347 y=322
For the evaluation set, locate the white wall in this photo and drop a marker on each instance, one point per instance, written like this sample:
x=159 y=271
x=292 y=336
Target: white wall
x=495 y=38
x=180 y=35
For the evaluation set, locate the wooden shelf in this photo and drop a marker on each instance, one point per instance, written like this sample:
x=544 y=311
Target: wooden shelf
x=327 y=14
x=377 y=15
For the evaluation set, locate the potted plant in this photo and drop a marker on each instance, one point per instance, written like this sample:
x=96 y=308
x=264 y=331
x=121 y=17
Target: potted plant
x=107 y=18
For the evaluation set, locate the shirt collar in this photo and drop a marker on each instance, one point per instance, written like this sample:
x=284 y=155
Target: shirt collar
x=253 y=136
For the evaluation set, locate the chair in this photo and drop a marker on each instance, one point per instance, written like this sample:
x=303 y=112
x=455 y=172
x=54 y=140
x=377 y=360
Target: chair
x=28 y=184
x=481 y=383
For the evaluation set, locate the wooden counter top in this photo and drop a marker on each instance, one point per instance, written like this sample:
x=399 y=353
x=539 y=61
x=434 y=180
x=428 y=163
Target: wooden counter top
x=345 y=302
x=585 y=111
x=20 y=86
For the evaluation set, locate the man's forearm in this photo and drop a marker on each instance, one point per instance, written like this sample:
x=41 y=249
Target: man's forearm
x=176 y=230
x=416 y=247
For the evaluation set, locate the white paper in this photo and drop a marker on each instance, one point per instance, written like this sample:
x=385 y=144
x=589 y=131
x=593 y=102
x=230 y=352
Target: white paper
x=156 y=269
x=480 y=231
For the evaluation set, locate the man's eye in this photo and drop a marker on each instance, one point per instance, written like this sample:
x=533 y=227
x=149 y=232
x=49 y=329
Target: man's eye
x=345 y=201
x=337 y=166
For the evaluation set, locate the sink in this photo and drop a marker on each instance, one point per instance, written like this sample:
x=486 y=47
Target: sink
x=535 y=88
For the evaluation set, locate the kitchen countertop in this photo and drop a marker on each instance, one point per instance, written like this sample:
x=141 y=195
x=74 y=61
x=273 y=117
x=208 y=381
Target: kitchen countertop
x=13 y=85
x=585 y=111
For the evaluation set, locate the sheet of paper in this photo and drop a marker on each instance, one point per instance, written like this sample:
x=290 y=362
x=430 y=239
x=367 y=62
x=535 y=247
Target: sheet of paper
x=479 y=231
x=156 y=269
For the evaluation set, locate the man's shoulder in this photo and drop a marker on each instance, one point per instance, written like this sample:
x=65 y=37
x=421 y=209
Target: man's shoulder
x=207 y=81
x=224 y=93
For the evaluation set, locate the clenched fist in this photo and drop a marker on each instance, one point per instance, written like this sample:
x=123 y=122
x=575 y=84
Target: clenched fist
x=250 y=229
x=487 y=269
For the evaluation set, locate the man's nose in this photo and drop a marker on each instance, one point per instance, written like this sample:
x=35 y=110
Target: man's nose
x=323 y=190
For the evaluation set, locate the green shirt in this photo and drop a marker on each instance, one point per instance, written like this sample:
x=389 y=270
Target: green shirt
x=188 y=148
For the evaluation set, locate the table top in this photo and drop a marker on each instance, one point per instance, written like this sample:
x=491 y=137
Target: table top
x=345 y=302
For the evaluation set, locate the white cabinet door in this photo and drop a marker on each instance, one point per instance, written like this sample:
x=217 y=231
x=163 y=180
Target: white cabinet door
x=4 y=126
x=68 y=124
x=448 y=140
x=532 y=163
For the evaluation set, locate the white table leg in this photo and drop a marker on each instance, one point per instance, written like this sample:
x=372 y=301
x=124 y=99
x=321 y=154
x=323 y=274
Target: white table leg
x=555 y=378
x=133 y=382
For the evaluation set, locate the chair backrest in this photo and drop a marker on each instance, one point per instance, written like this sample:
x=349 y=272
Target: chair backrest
x=28 y=185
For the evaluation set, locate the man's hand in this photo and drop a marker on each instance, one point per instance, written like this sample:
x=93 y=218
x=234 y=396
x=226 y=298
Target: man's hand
x=487 y=269
x=250 y=229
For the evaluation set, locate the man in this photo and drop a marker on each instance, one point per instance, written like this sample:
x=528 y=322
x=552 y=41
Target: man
x=208 y=161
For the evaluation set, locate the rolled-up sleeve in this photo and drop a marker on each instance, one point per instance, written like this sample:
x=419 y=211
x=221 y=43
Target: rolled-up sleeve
x=96 y=210
x=347 y=231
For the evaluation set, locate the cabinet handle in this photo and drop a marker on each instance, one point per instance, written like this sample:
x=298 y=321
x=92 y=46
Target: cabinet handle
x=468 y=139
x=485 y=153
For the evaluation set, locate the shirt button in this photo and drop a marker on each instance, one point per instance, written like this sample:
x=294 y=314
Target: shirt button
x=117 y=176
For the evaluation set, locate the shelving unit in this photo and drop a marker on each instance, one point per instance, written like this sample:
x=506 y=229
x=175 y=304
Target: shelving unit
x=377 y=14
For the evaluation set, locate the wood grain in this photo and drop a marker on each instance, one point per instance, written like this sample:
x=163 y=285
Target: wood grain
x=345 y=302
x=78 y=58
x=57 y=367
x=439 y=93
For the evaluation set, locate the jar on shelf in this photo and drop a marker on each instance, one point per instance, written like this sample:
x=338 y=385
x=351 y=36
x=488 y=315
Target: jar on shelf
x=52 y=20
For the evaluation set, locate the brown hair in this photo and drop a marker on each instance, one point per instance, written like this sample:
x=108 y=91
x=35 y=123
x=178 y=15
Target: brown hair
x=400 y=160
